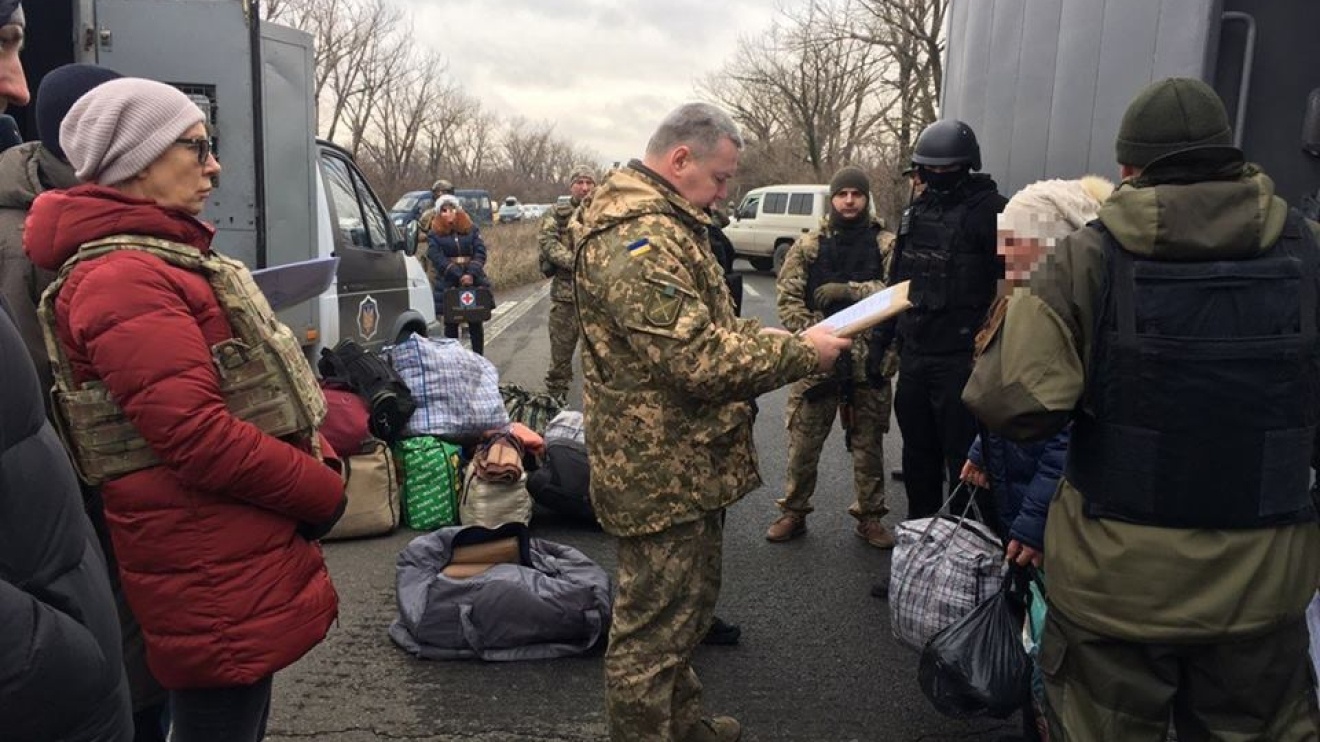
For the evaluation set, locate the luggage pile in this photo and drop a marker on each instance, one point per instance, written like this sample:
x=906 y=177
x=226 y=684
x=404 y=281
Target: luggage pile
x=430 y=439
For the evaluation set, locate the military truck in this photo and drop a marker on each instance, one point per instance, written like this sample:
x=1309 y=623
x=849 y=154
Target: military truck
x=1045 y=84
x=283 y=196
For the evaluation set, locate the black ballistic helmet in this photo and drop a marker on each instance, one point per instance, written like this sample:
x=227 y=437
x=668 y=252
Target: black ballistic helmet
x=947 y=142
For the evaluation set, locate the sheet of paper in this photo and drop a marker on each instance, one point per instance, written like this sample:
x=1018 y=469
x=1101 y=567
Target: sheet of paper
x=294 y=283
x=869 y=312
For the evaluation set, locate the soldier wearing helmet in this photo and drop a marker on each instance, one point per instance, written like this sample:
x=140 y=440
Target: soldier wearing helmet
x=946 y=248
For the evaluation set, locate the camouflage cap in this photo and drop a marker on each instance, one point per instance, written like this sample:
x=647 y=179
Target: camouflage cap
x=583 y=171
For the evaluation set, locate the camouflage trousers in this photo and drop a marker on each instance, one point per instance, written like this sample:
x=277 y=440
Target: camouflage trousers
x=810 y=423
x=1100 y=688
x=668 y=583
x=563 y=341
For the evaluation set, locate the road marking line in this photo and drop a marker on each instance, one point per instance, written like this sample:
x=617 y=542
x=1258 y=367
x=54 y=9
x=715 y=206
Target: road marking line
x=506 y=314
x=750 y=290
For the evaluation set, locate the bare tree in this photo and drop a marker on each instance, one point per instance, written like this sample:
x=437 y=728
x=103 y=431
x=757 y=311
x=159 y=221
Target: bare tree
x=822 y=92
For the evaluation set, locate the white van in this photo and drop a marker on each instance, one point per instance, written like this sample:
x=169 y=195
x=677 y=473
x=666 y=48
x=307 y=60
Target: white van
x=771 y=218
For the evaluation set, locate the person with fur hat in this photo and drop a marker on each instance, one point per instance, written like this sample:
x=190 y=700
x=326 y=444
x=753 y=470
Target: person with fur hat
x=214 y=520
x=825 y=272
x=457 y=256
x=1177 y=335
x=557 y=263
x=1022 y=477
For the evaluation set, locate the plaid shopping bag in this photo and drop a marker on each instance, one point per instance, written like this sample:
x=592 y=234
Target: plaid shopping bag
x=943 y=567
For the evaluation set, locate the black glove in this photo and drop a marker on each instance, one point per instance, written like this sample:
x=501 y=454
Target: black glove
x=317 y=531
x=834 y=293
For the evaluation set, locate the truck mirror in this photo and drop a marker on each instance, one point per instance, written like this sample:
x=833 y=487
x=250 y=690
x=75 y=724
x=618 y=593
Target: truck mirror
x=1311 y=124
x=404 y=239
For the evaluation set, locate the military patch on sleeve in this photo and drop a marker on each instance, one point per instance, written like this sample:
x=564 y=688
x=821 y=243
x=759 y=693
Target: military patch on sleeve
x=639 y=248
x=663 y=305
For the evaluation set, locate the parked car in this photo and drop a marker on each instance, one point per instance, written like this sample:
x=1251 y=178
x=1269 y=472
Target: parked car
x=510 y=211
x=770 y=219
x=476 y=202
x=410 y=206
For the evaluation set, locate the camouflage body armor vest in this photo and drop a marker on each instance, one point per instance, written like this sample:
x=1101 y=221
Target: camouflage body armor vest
x=264 y=376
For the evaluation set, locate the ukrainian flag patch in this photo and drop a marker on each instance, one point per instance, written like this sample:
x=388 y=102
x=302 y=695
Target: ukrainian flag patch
x=639 y=248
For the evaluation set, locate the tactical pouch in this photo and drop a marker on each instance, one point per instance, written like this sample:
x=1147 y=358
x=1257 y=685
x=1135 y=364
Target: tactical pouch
x=264 y=376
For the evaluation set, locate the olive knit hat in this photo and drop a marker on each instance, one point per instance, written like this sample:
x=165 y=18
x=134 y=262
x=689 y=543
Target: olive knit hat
x=120 y=127
x=1169 y=115
x=850 y=177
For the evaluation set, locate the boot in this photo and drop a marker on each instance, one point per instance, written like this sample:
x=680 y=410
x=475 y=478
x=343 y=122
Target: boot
x=722 y=633
x=719 y=729
x=875 y=533
x=786 y=527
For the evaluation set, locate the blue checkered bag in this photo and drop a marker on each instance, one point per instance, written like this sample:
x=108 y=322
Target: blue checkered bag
x=457 y=391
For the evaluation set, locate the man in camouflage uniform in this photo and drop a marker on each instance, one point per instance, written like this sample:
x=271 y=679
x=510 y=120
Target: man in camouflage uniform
x=823 y=273
x=439 y=188
x=1177 y=334
x=557 y=261
x=669 y=378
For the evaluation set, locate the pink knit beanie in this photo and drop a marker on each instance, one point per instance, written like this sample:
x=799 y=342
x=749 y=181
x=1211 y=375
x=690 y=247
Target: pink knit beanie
x=120 y=127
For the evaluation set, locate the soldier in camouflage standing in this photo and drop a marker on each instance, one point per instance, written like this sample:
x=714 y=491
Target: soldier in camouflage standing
x=669 y=378
x=823 y=273
x=557 y=261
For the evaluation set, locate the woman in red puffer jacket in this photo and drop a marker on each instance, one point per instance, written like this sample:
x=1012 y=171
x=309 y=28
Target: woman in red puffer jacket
x=216 y=543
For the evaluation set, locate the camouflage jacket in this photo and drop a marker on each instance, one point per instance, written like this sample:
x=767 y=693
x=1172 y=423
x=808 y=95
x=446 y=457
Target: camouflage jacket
x=556 y=250
x=791 y=290
x=669 y=372
x=1139 y=582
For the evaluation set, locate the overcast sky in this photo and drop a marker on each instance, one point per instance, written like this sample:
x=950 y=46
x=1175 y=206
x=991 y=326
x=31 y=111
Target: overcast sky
x=604 y=71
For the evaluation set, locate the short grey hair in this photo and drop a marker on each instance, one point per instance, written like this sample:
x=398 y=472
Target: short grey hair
x=701 y=126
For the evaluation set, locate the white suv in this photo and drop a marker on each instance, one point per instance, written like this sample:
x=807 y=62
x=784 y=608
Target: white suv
x=770 y=219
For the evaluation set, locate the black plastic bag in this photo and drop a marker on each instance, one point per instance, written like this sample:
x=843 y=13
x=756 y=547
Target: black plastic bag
x=977 y=666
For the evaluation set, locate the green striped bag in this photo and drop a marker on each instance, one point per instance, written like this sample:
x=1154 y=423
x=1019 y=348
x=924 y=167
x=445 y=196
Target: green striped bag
x=432 y=475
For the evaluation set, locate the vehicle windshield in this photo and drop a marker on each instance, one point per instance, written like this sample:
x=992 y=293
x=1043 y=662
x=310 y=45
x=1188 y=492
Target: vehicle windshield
x=405 y=203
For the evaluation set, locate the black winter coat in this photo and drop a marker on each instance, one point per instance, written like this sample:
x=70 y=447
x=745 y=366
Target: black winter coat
x=61 y=671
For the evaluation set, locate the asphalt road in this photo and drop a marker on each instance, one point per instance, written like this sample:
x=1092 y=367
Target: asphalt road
x=816 y=662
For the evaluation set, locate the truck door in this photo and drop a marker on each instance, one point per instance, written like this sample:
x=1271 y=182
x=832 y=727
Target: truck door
x=372 y=279
x=203 y=47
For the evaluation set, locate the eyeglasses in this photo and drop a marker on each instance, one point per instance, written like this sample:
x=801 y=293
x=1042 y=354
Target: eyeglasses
x=200 y=145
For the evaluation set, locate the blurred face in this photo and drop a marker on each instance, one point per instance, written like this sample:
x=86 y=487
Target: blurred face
x=181 y=177
x=13 y=86
x=581 y=187
x=1021 y=255
x=849 y=203
x=704 y=181
x=448 y=213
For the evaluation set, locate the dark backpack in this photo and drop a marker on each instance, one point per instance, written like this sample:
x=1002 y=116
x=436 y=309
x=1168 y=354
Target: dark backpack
x=373 y=378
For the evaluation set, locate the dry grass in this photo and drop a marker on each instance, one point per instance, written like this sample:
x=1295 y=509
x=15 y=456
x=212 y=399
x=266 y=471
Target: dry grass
x=511 y=253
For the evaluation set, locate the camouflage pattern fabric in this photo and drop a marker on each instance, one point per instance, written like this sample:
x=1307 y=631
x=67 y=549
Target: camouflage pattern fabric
x=669 y=370
x=669 y=374
x=667 y=588
x=809 y=425
x=557 y=260
x=809 y=422
x=563 y=341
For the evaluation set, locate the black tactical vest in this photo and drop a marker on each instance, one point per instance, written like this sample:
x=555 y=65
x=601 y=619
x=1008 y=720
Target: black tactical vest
x=835 y=264
x=954 y=279
x=1203 y=390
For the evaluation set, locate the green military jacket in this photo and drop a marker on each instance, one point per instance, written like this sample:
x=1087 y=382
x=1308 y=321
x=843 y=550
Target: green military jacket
x=791 y=291
x=669 y=372
x=1137 y=582
x=556 y=250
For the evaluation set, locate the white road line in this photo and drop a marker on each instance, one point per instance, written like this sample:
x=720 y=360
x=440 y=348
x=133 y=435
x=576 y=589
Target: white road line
x=506 y=314
x=750 y=290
